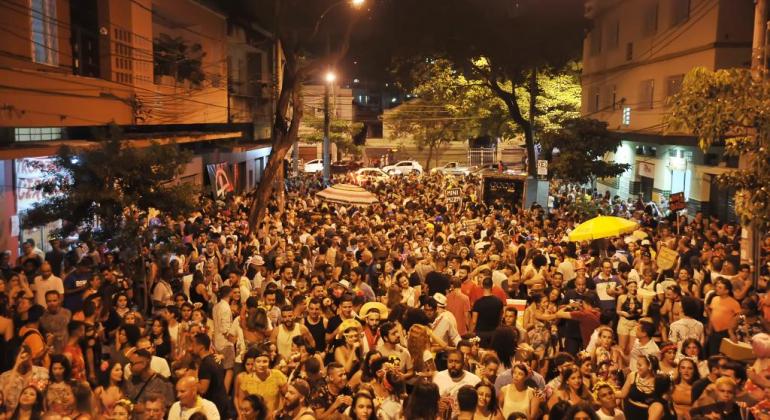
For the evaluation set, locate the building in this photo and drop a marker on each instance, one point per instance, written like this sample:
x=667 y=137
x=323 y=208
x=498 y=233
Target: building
x=634 y=58
x=159 y=69
x=340 y=108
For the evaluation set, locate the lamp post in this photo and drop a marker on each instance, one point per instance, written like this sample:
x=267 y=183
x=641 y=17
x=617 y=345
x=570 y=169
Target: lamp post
x=330 y=77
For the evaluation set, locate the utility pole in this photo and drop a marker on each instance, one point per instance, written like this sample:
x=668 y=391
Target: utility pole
x=326 y=145
x=751 y=239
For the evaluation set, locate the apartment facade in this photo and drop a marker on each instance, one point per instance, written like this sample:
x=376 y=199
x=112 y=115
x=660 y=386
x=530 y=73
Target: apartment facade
x=159 y=69
x=634 y=58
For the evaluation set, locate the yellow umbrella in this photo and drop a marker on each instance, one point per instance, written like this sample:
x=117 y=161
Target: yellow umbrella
x=602 y=227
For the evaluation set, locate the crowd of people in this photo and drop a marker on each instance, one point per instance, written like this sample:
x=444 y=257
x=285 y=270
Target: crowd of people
x=411 y=308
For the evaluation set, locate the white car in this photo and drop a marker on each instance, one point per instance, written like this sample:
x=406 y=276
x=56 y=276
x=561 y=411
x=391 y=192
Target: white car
x=313 y=166
x=452 y=168
x=365 y=176
x=404 y=167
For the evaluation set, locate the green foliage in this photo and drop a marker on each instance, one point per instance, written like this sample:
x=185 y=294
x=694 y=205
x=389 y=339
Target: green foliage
x=175 y=57
x=341 y=133
x=442 y=111
x=97 y=188
x=731 y=107
x=582 y=145
x=558 y=98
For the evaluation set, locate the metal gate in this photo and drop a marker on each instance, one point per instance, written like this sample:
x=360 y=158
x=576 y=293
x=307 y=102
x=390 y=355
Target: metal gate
x=482 y=156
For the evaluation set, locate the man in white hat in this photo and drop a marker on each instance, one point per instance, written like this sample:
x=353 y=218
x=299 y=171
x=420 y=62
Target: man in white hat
x=444 y=325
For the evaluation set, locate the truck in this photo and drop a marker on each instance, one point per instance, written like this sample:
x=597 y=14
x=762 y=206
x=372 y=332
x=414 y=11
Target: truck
x=511 y=189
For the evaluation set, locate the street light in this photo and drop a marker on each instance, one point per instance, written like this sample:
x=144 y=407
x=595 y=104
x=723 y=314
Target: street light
x=358 y=3
x=330 y=78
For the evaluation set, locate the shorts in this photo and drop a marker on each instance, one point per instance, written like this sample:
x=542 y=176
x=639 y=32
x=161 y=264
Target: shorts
x=627 y=326
x=228 y=352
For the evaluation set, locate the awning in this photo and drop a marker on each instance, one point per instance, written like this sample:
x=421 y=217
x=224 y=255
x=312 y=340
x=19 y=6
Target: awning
x=347 y=194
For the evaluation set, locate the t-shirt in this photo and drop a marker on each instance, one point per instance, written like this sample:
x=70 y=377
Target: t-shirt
x=399 y=356
x=588 y=320
x=74 y=301
x=459 y=305
x=617 y=415
x=41 y=286
x=448 y=387
x=489 y=309
x=602 y=285
x=215 y=374
x=638 y=350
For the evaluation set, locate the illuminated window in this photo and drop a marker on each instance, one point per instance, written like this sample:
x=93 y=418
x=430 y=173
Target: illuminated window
x=45 y=43
x=626 y=115
x=38 y=134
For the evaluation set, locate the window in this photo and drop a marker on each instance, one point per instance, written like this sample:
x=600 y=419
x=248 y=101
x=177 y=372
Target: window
x=596 y=40
x=646 y=94
x=674 y=84
x=626 y=118
x=593 y=105
x=38 y=134
x=45 y=43
x=614 y=40
x=680 y=11
x=612 y=97
x=650 y=20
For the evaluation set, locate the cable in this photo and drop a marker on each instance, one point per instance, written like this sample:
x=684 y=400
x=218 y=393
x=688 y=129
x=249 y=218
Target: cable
x=159 y=94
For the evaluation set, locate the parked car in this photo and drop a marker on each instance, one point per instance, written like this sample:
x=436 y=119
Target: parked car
x=452 y=168
x=313 y=166
x=365 y=176
x=344 y=166
x=404 y=167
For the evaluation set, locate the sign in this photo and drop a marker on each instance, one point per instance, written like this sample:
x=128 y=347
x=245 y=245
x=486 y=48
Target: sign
x=31 y=172
x=666 y=258
x=646 y=169
x=453 y=195
x=676 y=202
x=507 y=188
x=542 y=167
x=219 y=176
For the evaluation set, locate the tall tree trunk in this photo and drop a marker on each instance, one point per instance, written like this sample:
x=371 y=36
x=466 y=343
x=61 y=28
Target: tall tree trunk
x=515 y=112
x=533 y=92
x=284 y=135
x=430 y=156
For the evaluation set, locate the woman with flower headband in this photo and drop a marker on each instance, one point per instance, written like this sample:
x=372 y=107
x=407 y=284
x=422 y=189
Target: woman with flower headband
x=668 y=364
x=686 y=375
x=122 y=411
x=110 y=390
x=692 y=349
x=639 y=388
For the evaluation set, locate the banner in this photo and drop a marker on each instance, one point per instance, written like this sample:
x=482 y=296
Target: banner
x=220 y=179
x=667 y=258
x=31 y=172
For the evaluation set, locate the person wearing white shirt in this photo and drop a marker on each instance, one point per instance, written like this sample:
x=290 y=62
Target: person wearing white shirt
x=190 y=403
x=157 y=364
x=44 y=282
x=687 y=327
x=445 y=324
x=223 y=332
x=643 y=345
x=608 y=405
x=450 y=381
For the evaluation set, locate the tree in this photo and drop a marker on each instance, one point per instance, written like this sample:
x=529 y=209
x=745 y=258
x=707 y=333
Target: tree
x=441 y=112
x=107 y=190
x=518 y=42
x=341 y=133
x=577 y=151
x=731 y=108
x=91 y=190
x=304 y=31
